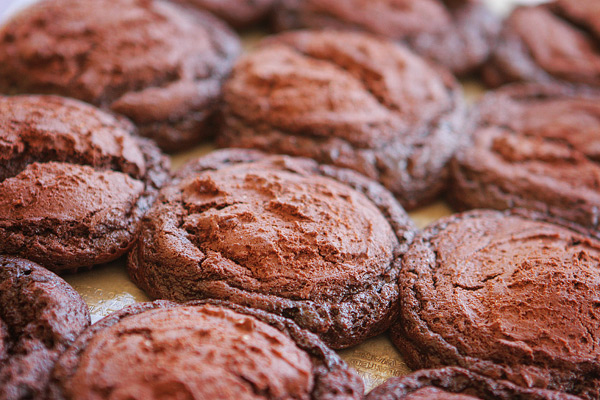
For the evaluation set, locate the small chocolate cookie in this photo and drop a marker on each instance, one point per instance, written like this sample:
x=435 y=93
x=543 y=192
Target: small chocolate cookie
x=351 y=100
x=558 y=41
x=533 y=147
x=155 y=62
x=453 y=383
x=74 y=181
x=200 y=350
x=455 y=33
x=506 y=295
x=314 y=243
x=238 y=13
x=40 y=315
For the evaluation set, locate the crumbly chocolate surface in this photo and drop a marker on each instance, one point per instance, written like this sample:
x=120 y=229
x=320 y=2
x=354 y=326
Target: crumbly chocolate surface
x=454 y=383
x=153 y=61
x=40 y=315
x=458 y=34
x=554 y=42
x=200 y=350
x=533 y=147
x=351 y=100
x=506 y=295
x=74 y=181
x=238 y=13
x=318 y=244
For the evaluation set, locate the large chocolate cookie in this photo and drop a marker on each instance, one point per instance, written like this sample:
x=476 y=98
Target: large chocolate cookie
x=506 y=295
x=317 y=244
x=454 y=383
x=553 y=42
x=456 y=33
x=74 y=181
x=200 y=350
x=153 y=61
x=40 y=315
x=351 y=100
x=533 y=147
x=238 y=13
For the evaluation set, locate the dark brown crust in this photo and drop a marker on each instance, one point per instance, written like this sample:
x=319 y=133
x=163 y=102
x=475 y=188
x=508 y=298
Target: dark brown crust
x=575 y=57
x=406 y=152
x=41 y=315
x=349 y=318
x=459 y=380
x=422 y=347
x=333 y=378
x=61 y=245
x=461 y=44
x=483 y=177
x=97 y=56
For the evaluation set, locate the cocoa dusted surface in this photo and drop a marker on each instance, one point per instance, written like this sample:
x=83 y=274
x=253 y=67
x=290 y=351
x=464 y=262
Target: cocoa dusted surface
x=507 y=295
x=533 y=147
x=74 y=181
x=238 y=13
x=314 y=243
x=458 y=34
x=200 y=350
x=454 y=383
x=554 y=42
x=350 y=100
x=40 y=315
x=155 y=62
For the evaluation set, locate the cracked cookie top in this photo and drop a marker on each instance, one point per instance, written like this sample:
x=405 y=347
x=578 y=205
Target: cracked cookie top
x=273 y=231
x=74 y=181
x=535 y=147
x=505 y=294
x=40 y=316
x=157 y=63
x=200 y=350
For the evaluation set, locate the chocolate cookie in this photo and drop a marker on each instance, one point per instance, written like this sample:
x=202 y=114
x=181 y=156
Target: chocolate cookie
x=314 y=243
x=455 y=383
x=40 y=315
x=552 y=42
x=238 y=13
x=506 y=295
x=155 y=62
x=200 y=350
x=351 y=100
x=74 y=181
x=533 y=147
x=455 y=33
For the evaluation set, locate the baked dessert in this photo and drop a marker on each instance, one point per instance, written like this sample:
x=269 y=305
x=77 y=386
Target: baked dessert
x=554 y=42
x=458 y=34
x=40 y=315
x=314 y=243
x=200 y=350
x=454 y=383
x=238 y=13
x=533 y=147
x=153 y=61
x=74 y=181
x=507 y=295
x=351 y=100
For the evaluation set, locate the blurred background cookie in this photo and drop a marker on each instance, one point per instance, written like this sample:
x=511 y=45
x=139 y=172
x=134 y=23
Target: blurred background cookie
x=238 y=13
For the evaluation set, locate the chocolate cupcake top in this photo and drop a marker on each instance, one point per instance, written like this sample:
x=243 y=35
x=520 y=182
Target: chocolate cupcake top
x=40 y=315
x=317 y=244
x=552 y=42
x=455 y=383
x=74 y=181
x=200 y=350
x=351 y=100
x=153 y=61
x=238 y=13
x=507 y=295
x=534 y=147
x=457 y=33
